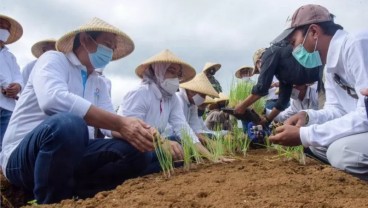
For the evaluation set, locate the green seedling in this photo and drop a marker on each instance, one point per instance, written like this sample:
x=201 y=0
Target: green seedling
x=163 y=152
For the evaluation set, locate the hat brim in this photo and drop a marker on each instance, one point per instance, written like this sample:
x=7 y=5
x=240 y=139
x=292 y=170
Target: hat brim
x=283 y=35
x=37 y=47
x=124 y=45
x=16 y=30
x=237 y=73
x=200 y=84
x=216 y=66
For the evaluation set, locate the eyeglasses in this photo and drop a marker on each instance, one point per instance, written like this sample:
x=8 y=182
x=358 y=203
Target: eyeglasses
x=344 y=85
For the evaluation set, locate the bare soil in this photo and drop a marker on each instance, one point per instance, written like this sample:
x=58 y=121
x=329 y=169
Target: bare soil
x=259 y=180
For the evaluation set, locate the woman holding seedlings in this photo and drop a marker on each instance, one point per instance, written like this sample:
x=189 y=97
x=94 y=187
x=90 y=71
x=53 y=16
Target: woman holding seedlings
x=154 y=101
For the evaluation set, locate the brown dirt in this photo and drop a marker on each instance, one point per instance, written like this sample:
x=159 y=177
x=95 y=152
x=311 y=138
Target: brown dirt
x=255 y=181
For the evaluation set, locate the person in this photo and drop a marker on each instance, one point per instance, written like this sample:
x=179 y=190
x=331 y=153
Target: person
x=210 y=70
x=11 y=82
x=337 y=133
x=191 y=95
x=155 y=102
x=37 y=50
x=216 y=118
x=277 y=61
x=47 y=149
x=244 y=73
x=303 y=97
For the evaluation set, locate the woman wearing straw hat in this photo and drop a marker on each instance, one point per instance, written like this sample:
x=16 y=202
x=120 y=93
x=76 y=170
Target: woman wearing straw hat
x=47 y=149
x=210 y=70
x=154 y=101
x=37 y=50
x=11 y=81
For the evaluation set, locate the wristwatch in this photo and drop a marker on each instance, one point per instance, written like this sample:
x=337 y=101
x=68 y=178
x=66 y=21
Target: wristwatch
x=306 y=118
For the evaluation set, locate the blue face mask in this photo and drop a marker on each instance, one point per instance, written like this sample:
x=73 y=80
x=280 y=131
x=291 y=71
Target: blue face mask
x=101 y=57
x=306 y=59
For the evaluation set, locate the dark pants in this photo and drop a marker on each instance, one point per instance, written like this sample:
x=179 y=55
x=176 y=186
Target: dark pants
x=58 y=161
x=4 y=121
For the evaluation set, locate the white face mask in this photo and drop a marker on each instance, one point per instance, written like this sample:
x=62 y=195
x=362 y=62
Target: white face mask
x=4 y=35
x=170 y=85
x=294 y=94
x=198 y=100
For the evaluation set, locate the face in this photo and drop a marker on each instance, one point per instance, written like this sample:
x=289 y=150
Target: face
x=4 y=24
x=174 y=71
x=106 y=39
x=297 y=37
x=245 y=73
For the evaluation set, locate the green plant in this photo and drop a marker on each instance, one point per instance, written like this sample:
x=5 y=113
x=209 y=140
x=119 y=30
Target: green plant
x=189 y=149
x=163 y=152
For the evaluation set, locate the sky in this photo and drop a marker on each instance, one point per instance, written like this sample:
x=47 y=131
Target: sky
x=197 y=31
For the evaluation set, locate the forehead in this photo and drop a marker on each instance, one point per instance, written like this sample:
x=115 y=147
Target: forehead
x=176 y=67
x=107 y=38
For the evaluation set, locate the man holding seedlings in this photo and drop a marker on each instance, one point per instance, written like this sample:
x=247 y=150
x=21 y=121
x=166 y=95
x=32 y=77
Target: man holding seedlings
x=46 y=149
x=338 y=133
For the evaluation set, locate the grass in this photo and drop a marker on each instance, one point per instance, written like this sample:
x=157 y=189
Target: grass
x=162 y=149
x=190 y=150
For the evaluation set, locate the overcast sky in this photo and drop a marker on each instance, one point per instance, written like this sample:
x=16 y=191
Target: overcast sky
x=198 y=31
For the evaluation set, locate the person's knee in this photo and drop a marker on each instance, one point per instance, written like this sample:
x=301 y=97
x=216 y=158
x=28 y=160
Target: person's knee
x=342 y=157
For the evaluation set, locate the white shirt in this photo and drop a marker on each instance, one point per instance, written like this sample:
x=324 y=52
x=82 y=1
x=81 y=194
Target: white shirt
x=272 y=91
x=10 y=73
x=54 y=86
x=26 y=71
x=190 y=111
x=146 y=103
x=310 y=101
x=107 y=82
x=341 y=115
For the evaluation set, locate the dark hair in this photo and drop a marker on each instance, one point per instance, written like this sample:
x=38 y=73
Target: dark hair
x=93 y=34
x=329 y=28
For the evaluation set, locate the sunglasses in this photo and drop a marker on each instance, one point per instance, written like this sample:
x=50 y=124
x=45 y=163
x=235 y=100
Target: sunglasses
x=345 y=86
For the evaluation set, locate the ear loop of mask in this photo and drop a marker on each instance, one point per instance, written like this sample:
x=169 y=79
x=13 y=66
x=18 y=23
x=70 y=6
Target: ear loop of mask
x=315 y=45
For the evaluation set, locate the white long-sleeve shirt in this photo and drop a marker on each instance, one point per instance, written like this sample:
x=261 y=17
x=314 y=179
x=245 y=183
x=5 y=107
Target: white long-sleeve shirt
x=190 y=111
x=55 y=85
x=146 y=103
x=342 y=115
x=26 y=71
x=310 y=101
x=10 y=73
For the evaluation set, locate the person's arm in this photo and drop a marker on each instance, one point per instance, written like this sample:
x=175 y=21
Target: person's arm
x=241 y=107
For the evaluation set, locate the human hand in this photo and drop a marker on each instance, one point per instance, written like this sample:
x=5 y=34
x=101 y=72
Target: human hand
x=364 y=91
x=12 y=90
x=175 y=149
x=239 y=109
x=137 y=133
x=286 y=135
x=297 y=119
x=223 y=160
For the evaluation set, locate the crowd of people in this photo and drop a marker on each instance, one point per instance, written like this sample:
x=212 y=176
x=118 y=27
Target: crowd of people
x=61 y=137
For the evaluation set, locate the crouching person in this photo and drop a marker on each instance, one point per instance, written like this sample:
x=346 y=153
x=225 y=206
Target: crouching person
x=46 y=148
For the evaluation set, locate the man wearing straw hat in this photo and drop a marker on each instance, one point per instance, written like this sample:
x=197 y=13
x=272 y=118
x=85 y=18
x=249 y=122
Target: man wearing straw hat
x=37 y=50
x=191 y=95
x=11 y=81
x=216 y=118
x=210 y=70
x=47 y=149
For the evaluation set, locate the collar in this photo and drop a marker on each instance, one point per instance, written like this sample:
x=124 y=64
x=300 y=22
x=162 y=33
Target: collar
x=334 y=49
x=3 y=49
x=75 y=61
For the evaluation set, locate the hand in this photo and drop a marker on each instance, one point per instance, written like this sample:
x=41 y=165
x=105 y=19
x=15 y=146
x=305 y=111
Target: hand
x=239 y=109
x=364 y=91
x=297 y=119
x=137 y=133
x=264 y=121
x=12 y=90
x=286 y=135
x=203 y=139
x=175 y=149
x=275 y=84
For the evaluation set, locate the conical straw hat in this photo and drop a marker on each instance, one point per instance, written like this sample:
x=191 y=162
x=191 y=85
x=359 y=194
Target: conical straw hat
x=209 y=100
x=237 y=73
x=167 y=56
x=256 y=56
x=37 y=48
x=201 y=84
x=209 y=65
x=16 y=30
x=222 y=97
x=124 y=45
